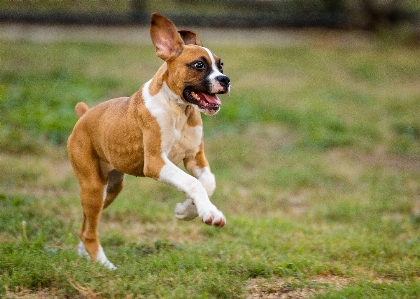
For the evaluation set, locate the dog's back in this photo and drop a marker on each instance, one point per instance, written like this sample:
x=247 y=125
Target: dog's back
x=109 y=132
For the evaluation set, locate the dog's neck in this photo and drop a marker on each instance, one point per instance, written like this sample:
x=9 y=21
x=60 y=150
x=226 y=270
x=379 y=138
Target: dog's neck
x=158 y=79
x=159 y=84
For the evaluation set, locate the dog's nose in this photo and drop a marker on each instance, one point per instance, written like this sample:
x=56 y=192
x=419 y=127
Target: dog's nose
x=224 y=81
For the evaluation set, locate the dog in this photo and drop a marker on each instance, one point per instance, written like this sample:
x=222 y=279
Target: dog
x=150 y=133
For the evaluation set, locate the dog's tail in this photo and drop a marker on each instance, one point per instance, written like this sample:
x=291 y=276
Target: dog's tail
x=81 y=108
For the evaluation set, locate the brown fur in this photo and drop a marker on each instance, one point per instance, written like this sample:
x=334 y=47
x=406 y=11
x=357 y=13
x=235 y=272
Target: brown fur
x=122 y=136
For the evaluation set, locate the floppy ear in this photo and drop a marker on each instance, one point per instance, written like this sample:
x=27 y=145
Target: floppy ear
x=165 y=37
x=190 y=38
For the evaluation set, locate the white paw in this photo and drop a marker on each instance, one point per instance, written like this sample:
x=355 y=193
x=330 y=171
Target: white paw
x=81 y=250
x=104 y=260
x=186 y=210
x=213 y=217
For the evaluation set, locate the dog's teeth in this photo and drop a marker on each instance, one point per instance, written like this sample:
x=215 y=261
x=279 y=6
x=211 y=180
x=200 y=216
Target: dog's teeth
x=195 y=96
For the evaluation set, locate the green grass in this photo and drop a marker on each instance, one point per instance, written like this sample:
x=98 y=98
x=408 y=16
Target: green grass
x=316 y=154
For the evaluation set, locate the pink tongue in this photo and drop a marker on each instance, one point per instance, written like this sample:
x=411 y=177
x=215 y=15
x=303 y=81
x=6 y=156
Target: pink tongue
x=211 y=99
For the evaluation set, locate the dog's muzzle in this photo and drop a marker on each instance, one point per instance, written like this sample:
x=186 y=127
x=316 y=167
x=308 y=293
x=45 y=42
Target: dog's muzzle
x=224 y=82
x=208 y=102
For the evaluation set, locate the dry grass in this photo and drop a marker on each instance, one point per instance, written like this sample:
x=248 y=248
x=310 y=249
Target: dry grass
x=286 y=289
x=315 y=152
x=43 y=176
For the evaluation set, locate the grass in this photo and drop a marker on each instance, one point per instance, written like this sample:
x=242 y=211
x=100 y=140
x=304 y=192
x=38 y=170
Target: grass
x=316 y=155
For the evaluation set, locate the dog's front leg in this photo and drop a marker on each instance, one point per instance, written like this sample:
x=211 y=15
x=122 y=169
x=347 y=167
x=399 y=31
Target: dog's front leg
x=203 y=175
x=194 y=190
x=187 y=209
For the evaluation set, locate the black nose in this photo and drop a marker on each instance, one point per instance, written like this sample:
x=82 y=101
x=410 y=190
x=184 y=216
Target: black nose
x=224 y=81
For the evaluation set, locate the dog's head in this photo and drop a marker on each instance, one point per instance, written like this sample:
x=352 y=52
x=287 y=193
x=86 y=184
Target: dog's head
x=194 y=73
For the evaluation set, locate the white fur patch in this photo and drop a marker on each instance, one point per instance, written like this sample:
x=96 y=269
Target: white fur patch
x=213 y=62
x=194 y=190
x=177 y=137
x=104 y=195
x=215 y=70
x=207 y=179
x=186 y=210
x=104 y=260
x=159 y=106
x=81 y=250
x=171 y=125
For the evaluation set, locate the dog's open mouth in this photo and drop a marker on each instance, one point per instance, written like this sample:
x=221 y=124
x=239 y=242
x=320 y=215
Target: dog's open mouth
x=209 y=104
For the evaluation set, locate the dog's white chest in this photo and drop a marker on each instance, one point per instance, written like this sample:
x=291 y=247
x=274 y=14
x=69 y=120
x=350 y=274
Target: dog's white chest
x=187 y=141
x=178 y=138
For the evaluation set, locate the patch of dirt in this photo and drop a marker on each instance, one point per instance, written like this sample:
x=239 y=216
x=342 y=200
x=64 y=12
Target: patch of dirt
x=284 y=289
x=378 y=159
x=28 y=294
x=50 y=175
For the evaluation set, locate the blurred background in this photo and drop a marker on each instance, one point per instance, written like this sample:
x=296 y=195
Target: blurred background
x=316 y=150
x=360 y=14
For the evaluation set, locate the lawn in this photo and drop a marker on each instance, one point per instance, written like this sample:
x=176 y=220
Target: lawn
x=316 y=153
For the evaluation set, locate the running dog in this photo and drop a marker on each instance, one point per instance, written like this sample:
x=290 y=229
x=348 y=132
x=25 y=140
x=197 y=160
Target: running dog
x=150 y=133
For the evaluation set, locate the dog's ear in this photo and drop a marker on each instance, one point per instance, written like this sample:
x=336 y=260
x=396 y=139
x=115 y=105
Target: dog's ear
x=165 y=37
x=190 y=38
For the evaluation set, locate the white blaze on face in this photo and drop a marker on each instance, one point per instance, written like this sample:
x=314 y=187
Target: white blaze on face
x=216 y=87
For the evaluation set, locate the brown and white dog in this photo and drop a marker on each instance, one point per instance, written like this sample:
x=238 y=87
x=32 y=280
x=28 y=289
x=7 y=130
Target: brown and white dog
x=150 y=133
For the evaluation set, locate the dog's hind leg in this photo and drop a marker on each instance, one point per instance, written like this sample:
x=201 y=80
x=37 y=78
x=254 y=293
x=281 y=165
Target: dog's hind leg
x=93 y=182
x=92 y=196
x=114 y=187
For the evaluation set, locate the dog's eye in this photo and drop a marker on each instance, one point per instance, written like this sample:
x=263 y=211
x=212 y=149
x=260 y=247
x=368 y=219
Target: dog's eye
x=221 y=66
x=199 y=65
